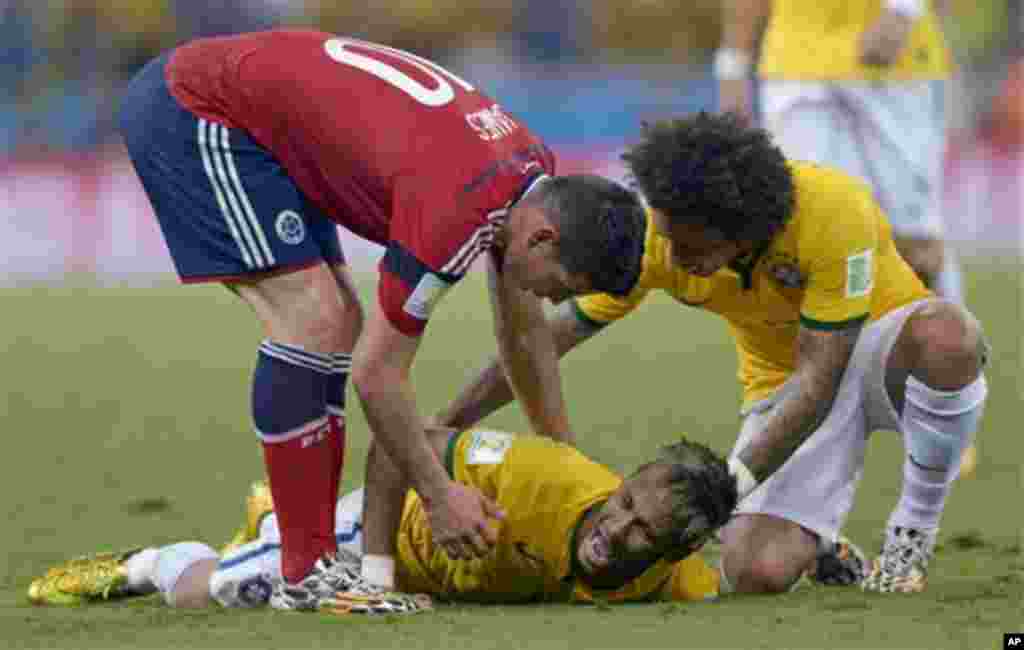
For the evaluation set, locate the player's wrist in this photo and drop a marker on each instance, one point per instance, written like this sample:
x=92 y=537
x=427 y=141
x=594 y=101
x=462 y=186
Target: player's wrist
x=732 y=64
x=912 y=9
x=745 y=480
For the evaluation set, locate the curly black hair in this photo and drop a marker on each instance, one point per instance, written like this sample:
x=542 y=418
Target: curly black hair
x=711 y=170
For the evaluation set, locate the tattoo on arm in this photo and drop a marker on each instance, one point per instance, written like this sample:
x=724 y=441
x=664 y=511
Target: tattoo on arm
x=822 y=357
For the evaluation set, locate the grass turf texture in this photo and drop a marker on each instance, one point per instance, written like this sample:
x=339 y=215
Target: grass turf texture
x=125 y=413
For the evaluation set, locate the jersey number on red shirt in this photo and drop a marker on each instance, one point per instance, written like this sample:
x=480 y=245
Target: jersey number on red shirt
x=336 y=49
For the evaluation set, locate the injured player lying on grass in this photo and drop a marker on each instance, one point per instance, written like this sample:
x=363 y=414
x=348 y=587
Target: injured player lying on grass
x=574 y=531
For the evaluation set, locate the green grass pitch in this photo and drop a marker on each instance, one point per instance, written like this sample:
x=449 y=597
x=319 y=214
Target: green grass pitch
x=125 y=417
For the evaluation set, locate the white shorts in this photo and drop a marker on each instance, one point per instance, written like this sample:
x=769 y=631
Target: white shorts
x=892 y=135
x=246 y=576
x=816 y=486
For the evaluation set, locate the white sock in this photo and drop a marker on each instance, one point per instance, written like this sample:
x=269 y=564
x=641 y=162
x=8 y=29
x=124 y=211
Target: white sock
x=923 y=498
x=140 y=568
x=172 y=561
x=937 y=426
x=379 y=570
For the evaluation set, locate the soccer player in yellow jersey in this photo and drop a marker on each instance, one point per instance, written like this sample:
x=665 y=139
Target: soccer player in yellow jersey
x=574 y=531
x=836 y=336
x=855 y=84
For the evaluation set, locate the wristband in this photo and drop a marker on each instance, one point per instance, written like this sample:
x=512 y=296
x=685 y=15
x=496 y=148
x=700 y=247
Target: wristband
x=731 y=64
x=745 y=481
x=908 y=8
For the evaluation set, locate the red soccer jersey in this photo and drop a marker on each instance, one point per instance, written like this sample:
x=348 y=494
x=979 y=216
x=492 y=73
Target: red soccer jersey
x=393 y=147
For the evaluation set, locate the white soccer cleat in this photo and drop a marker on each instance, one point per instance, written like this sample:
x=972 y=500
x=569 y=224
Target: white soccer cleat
x=335 y=586
x=330 y=574
x=902 y=566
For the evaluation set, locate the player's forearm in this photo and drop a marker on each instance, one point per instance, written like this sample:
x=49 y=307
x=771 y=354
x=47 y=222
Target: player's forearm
x=795 y=418
x=742 y=23
x=390 y=408
x=490 y=389
x=485 y=394
x=530 y=361
x=822 y=357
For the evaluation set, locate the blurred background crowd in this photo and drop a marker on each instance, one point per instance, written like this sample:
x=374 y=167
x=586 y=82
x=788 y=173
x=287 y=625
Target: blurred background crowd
x=65 y=61
x=580 y=73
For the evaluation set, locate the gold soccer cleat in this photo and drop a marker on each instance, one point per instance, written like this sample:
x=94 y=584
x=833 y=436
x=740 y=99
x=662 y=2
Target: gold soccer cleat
x=258 y=505
x=83 y=579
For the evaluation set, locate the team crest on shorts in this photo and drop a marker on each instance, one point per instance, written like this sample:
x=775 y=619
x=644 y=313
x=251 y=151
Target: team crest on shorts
x=290 y=227
x=785 y=270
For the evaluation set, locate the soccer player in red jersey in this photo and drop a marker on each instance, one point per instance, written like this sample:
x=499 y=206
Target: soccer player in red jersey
x=253 y=148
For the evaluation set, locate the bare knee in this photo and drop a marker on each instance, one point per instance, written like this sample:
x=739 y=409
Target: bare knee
x=948 y=346
x=766 y=554
x=192 y=590
x=312 y=308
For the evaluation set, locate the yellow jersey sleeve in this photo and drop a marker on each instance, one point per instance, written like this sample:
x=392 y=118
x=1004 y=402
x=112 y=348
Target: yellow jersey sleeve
x=839 y=238
x=691 y=579
x=600 y=309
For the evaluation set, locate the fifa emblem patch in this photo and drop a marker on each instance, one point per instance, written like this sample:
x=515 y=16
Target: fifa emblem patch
x=786 y=271
x=488 y=447
x=859 y=274
x=290 y=227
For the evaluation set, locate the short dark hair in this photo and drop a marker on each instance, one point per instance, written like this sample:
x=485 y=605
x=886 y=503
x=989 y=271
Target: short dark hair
x=601 y=226
x=712 y=170
x=703 y=492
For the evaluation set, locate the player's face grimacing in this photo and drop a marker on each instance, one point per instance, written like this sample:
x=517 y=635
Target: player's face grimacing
x=629 y=532
x=699 y=250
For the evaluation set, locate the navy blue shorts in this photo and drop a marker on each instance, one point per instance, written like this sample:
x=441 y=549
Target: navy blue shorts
x=226 y=206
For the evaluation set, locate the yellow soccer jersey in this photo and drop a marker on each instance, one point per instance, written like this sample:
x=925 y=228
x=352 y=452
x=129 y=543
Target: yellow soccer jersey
x=545 y=488
x=833 y=264
x=818 y=39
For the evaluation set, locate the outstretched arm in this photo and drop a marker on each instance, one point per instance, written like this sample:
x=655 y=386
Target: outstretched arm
x=458 y=515
x=490 y=389
x=528 y=355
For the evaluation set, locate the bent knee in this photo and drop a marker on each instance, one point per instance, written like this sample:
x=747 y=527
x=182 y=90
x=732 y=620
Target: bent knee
x=764 y=554
x=192 y=590
x=949 y=344
x=766 y=572
x=310 y=308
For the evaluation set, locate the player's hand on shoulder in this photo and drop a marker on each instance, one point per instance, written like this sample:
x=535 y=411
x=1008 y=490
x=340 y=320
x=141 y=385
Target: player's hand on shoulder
x=460 y=523
x=882 y=43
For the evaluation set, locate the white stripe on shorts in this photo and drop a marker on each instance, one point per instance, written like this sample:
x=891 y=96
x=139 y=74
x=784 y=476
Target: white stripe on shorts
x=244 y=196
x=220 y=166
x=221 y=178
x=225 y=210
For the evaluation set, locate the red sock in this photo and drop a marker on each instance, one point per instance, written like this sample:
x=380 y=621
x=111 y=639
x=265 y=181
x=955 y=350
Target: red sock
x=304 y=473
x=336 y=440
